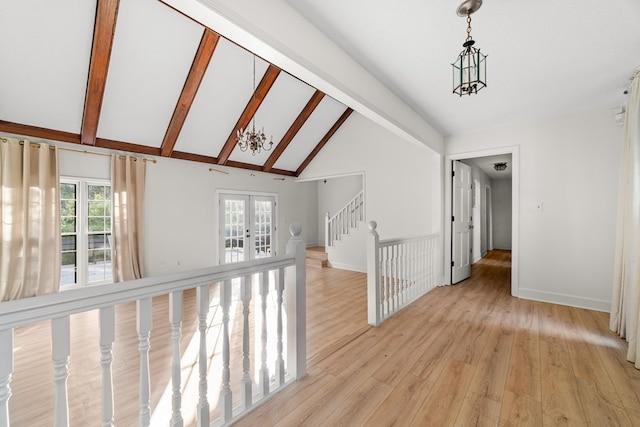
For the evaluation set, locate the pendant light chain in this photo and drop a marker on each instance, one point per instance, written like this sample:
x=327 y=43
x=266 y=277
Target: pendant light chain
x=469 y=27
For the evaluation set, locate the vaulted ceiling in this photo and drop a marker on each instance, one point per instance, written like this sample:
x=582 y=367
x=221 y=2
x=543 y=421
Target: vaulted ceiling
x=138 y=76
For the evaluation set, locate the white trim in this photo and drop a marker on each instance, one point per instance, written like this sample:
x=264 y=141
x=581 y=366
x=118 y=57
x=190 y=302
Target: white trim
x=349 y=267
x=564 y=299
x=515 y=210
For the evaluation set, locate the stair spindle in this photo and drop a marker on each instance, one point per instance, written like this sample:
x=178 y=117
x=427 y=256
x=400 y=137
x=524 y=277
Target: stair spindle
x=6 y=369
x=202 y=298
x=247 y=383
x=264 y=370
x=61 y=349
x=144 y=307
x=226 y=402
x=280 y=347
x=107 y=338
x=175 y=318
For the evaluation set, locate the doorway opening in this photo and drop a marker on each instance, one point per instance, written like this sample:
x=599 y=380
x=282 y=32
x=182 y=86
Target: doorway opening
x=498 y=224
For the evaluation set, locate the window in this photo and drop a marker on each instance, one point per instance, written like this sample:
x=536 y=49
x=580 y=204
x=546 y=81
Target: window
x=85 y=223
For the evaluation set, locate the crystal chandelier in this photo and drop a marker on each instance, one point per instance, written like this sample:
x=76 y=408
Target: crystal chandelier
x=469 y=69
x=254 y=140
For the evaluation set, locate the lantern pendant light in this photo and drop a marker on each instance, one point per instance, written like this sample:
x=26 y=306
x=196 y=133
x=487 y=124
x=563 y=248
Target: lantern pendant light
x=470 y=68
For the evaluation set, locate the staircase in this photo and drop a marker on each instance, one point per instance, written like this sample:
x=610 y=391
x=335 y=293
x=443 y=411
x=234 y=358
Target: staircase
x=317 y=257
x=347 y=218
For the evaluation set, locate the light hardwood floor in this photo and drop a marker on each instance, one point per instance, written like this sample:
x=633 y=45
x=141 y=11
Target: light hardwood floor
x=462 y=355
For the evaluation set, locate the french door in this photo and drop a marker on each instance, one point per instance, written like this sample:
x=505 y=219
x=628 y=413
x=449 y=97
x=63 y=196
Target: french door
x=247 y=226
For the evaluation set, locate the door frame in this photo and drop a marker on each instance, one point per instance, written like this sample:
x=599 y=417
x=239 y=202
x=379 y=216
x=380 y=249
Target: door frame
x=216 y=217
x=515 y=209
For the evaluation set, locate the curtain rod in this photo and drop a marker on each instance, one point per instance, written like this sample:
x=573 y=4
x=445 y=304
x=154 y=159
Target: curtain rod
x=35 y=144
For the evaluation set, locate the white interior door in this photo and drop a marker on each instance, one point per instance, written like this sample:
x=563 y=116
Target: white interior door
x=247 y=226
x=461 y=222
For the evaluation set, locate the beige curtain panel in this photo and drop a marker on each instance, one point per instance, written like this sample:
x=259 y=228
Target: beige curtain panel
x=625 y=302
x=128 y=180
x=30 y=211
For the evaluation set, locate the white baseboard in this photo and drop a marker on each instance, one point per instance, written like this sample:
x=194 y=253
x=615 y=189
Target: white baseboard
x=341 y=266
x=562 y=299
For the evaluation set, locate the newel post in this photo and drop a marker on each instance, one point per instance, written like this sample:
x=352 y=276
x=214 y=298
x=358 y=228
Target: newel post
x=373 y=275
x=327 y=242
x=296 y=306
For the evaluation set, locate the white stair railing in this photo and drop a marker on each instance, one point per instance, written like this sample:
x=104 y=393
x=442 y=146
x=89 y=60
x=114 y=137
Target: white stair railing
x=282 y=275
x=399 y=271
x=346 y=218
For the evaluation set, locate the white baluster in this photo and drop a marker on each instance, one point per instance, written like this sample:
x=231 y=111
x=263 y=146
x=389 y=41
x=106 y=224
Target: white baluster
x=279 y=358
x=60 y=349
x=6 y=370
x=226 y=403
x=202 y=297
x=387 y=282
x=247 y=384
x=175 y=318
x=107 y=338
x=264 y=369
x=143 y=325
x=296 y=306
x=373 y=277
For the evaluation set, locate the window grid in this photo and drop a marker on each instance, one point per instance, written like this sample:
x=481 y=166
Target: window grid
x=85 y=208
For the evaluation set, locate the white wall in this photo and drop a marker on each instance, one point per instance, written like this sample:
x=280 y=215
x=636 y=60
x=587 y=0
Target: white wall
x=402 y=180
x=570 y=165
x=181 y=212
x=501 y=208
x=333 y=194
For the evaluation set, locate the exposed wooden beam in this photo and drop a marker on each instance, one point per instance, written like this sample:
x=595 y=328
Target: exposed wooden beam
x=199 y=66
x=103 y=31
x=37 y=132
x=257 y=168
x=127 y=146
x=194 y=157
x=74 y=138
x=293 y=130
x=324 y=140
x=261 y=91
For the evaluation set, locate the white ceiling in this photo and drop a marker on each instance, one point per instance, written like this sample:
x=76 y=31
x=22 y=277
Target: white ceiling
x=47 y=51
x=545 y=58
x=486 y=165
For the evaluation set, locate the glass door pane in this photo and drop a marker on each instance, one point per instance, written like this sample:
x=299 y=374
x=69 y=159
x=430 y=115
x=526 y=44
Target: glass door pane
x=262 y=227
x=248 y=224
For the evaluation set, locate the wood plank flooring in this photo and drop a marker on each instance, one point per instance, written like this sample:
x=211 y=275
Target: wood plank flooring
x=462 y=355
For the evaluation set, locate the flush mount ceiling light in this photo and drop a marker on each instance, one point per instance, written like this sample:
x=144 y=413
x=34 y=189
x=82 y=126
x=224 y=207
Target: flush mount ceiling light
x=250 y=139
x=500 y=166
x=469 y=69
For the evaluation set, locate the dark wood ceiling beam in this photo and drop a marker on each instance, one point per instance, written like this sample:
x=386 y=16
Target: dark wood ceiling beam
x=104 y=29
x=324 y=140
x=74 y=138
x=293 y=130
x=37 y=132
x=261 y=91
x=127 y=146
x=199 y=66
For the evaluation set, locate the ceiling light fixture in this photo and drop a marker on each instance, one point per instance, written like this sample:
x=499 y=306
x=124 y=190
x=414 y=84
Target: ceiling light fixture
x=470 y=69
x=500 y=166
x=250 y=139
